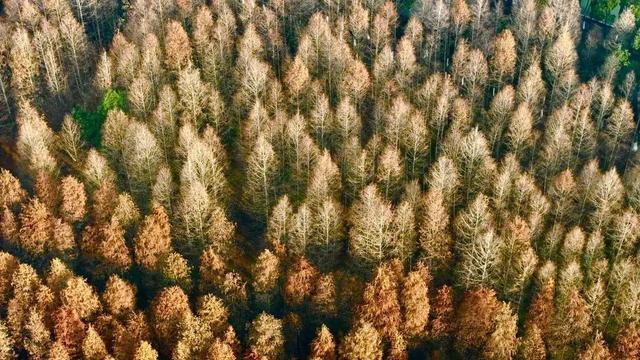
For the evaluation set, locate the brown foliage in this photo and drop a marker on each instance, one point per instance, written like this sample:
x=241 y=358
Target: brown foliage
x=12 y=192
x=627 y=345
x=176 y=46
x=475 y=318
x=169 y=307
x=362 y=343
x=323 y=346
x=153 y=239
x=380 y=304
x=35 y=227
x=72 y=206
x=69 y=329
x=414 y=297
x=119 y=296
x=301 y=278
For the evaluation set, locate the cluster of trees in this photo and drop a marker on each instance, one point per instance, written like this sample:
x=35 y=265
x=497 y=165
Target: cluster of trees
x=316 y=179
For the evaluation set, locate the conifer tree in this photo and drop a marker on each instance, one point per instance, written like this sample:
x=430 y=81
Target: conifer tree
x=265 y=336
x=323 y=346
x=259 y=193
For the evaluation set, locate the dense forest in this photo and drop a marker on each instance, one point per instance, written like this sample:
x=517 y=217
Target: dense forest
x=317 y=179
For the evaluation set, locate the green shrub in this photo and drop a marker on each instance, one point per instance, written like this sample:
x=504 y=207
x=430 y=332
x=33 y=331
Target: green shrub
x=91 y=121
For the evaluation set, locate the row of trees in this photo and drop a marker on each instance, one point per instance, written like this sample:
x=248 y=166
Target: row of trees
x=316 y=180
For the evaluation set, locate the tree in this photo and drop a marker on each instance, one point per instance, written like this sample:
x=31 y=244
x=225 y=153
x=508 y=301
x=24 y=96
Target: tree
x=141 y=157
x=176 y=46
x=93 y=347
x=532 y=345
x=35 y=227
x=380 y=303
x=34 y=140
x=192 y=95
x=323 y=346
x=72 y=207
x=370 y=238
x=435 y=241
x=475 y=166
x=362 y=342
x=618 y=133
x=298 y=285
x=6 y=343
x=37 y=336
x=153 y=239
x=145 y=352
x=262 y=167
x=627 y=344
x=475 y=318
x=596 y=350
x=323 y=299
x=605 y=199
x=220 y=350
x=213 y=312
x=80 y=297
x=266 y=275
x=415 y=302
x=519 y=131
x=119 y=296
x=326 y=244
x=68 y=329
x=265 y=336
x=502 y=342
x=24 y=65
x=13 y=193
x=503 y=62
x=168 y=309
x=390 y=172
x=560 y=58
x=76 y=48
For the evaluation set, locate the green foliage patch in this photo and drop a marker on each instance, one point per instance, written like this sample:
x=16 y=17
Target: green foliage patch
x=91 y=121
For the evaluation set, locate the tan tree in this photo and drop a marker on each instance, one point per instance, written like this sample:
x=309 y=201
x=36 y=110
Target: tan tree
x=153 y=239
x=503 y=62
x=145 y=352
x=362 y=342
x=93 y=347
x=627 y=344
x=560 y=58
x=299 y=282
x=119 y=296
x=37 y=337
x=74 y=198
x=380 y=303
x=24 y=64
x=69 y=330
x=34 y=140
x=323 y=346
x=266 y=338
x=414 y=297
x=259 y=192
x=177 y=47
x=13 y=193
x=266 y=275
x=168 y=309
x=370 y=238
x=81 y=298
x=475 y=318
x=618 y=133
x=532 y=345
x=6 y=343
x=35 y=227
x=597 y=350
x=435 y=240
x=502 y=342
